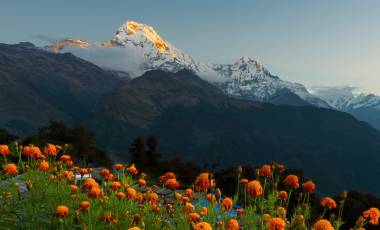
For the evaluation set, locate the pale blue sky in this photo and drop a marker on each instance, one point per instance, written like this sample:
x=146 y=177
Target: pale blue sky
x=311 y=42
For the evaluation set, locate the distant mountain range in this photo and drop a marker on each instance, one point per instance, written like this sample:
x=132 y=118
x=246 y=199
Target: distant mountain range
x=192 y=118
x=365 y=107
x=137 y=48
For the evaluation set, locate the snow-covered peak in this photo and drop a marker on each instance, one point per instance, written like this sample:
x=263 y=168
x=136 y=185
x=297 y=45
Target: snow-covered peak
x=250 y=62
x=68 y=42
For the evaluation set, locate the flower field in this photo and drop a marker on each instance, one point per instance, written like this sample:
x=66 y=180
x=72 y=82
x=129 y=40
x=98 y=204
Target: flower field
x=42 y=188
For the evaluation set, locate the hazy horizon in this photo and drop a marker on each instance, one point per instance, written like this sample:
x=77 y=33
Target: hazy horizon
x=314 y=43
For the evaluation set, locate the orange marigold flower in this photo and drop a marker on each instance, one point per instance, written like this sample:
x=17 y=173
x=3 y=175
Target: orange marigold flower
x=65 y=158
x=120 y=195
x=189 y=193
x=141 y=182
x=4 y=150
x=281 y=212
x=94 y=192
x=11 y=169
x=172 y=184
x=202 y=226
x=73 y=188
x=115 y=185
x=211 y=198
x=283 y=195
x=373 y=214
x=308 y=186
x=108 y=217
x=265 y=171
x=202 y=182
x=68 y=175
x=105 y=172
x=189 y=207
x=153 y=198
x=83 y=171
x=203 y=211
x=266 y=217
x=291 y=181
x=62 y=211
x=50 y=150
x=167 y=176
x=194 y=217
x=84 y=206
x=276 y=223
x=89 y=183
x=134 y=228
x=323 y=225
x=227 y=204
x=44 y=166
x=232 y=224
x=239 y=212
x=132 y=169
x=131 y=193
x=254 y=188
x=328 y=202
x=244 y=181
x=118 y=166
x=299 y=219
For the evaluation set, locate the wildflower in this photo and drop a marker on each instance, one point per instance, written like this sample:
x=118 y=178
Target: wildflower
x=227 y=204
x=239 y=212
x=131 y=193
x=283 y=195
x=118 y=166
x=94 y=192
x=308 y=186
x=115 y=185
x=50 y=150
x=108 y=217
x=194 y=217
x=202 y=182
x=141 y=182
x=244 y=181
x=254 y=188
x=265 y=171
x=291 y=181
x=153 y=198
x=323 y=225
x=172 y=184
x=232 y=224
x=84 y=206
x=202 y=226
x=328 y=202
x=11 y=169
x=62 y=211
x=32 y=151
x=276 y=223
x=189 y=192
x=120 y=195
x=373 y=214
x=4 y=150
x=203 y=211
x=44 y=166
x=132 y=169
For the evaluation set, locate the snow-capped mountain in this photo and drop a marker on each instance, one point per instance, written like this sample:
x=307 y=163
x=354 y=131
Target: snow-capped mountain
x=137 y=48
x=364 y=106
